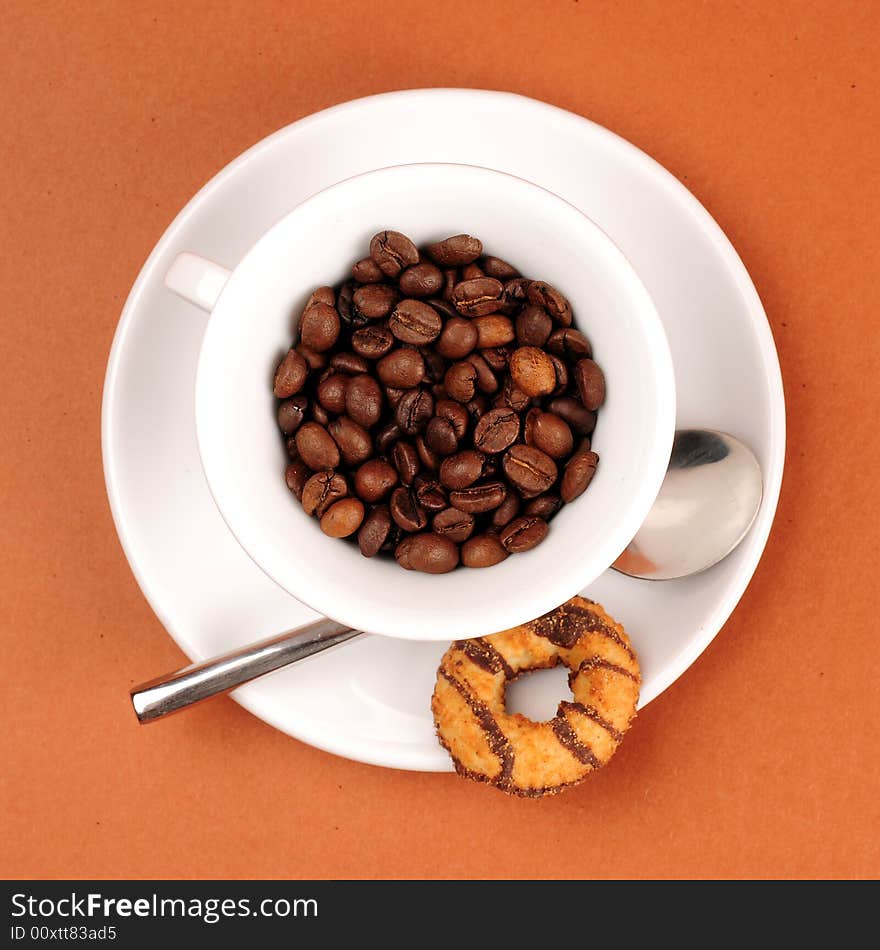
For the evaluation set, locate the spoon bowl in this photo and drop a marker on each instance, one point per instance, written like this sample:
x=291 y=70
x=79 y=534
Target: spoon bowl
x=706 y=504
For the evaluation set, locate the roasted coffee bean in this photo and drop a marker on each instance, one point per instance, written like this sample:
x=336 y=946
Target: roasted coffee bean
x=533 y=326
x=496 y=430
x=523 y=534
x=457 y=250
x=479 y=498
x=471 y=272
x=484 y=550
x=395 y=536
x=363 y=400
x=321 y=491
x=393 y=252
x=350 y=363
x=549 y=433
x=374 y=480
x=490 y=467
x=487 y=381
x=590 y=384
x=500 y=270
x=406 y=511
x=415 y=322
x=440 y=436
x=496 y=356
x=402 y=369
x=445 y=309
x=372 y=342
x=462 y=469
x=581 y=420
x=343 y=518
x=386 y=437
x=450 y=279
x=353 y=440
x=515 y=295
x=345 y=306
x=325 y=295
x=512 y=397
x=532 y=371
x=414 y=410
x=292 y=450
x=455 y=414
x=394 y=395
x=529 y=469
x=290 y=377
x=579 y=472
x=292 y=413
x=561 y=375
x=457 y=338
x=461 y=381
x=319 y=327
x=367 y=271
x=435 y=365
x=429 y=459
x=493 y=330
x=296 y=475
x=374 y=531
x=421 y=280
x=507 y=510
x=541 y=294
x=475 y=298
x=405 y=459
x=316 y=446
x=331 y=391
x=456 y=525
x=320 y=414
x=477 y=407
x=430 y=494
x=430 y=553
x=315 y=361
x=569 y=344
x=375 y=301
x=544 y=506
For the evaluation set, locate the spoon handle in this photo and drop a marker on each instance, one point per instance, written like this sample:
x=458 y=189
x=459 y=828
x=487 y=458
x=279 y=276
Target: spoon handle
x=167 y=694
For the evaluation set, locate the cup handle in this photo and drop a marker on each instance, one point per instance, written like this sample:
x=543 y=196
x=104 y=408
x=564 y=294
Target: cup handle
x=196 y=279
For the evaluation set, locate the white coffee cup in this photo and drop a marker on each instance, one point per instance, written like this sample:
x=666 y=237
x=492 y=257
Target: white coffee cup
x=254 y=313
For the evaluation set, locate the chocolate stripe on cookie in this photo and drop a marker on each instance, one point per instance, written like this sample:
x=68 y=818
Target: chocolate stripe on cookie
x=591 y=713
x=565 y=625
x=498 y=742
x=594 y=662
x=568 y=740
x=541 y=790
x=462 y=769
x=595 y=624
x=482 y=653
x=558 y=627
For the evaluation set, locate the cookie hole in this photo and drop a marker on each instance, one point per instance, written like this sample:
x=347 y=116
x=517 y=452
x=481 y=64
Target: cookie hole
x=538 y=694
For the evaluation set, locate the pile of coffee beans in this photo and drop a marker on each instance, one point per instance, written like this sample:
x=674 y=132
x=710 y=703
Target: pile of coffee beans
x=438 y=405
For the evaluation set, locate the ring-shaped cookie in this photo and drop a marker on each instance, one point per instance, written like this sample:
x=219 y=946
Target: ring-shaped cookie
x=509 y=750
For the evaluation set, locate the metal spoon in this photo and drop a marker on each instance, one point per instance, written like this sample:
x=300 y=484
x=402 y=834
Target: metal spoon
x=708 y=500
x=707 y=503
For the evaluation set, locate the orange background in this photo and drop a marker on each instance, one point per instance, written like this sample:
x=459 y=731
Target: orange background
x=761 y=761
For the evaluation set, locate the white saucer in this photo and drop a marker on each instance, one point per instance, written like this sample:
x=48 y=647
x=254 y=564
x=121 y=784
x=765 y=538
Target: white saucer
x=369 y=700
